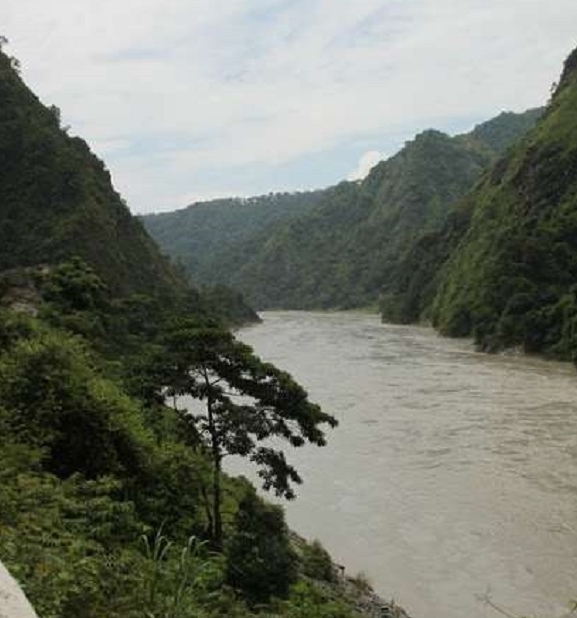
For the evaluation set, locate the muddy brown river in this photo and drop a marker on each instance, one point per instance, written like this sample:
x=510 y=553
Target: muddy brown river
x=452 y=477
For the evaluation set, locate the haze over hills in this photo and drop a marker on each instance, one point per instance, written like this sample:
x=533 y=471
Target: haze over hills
x=339 y=247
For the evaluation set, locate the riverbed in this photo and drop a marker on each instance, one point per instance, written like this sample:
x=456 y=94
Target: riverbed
x=452 y=477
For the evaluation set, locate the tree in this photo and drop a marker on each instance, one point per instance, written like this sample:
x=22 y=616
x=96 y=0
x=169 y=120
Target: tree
x=245 y=401
x=260 y=559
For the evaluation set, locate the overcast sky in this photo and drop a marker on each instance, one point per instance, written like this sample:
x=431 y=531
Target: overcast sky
x=192 y=99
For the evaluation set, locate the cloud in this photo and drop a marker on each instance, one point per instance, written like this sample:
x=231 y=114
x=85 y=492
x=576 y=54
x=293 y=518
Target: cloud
x=182 y=95
x=366 y=162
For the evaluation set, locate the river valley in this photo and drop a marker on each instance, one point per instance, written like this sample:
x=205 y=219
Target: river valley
x=452 y=477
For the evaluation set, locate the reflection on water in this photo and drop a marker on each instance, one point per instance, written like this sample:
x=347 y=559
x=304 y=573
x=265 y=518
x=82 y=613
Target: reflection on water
x=452 y=474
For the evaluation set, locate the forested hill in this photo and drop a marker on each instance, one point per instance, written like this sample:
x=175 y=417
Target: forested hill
x=113 y=501
x=336 y=248
x=57 y=200
x=206 y=236
x=511 y=278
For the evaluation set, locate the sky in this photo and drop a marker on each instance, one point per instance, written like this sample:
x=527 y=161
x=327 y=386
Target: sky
x=187 y=100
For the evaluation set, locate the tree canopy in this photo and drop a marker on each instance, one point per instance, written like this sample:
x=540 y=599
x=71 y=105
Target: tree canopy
x=245 y=402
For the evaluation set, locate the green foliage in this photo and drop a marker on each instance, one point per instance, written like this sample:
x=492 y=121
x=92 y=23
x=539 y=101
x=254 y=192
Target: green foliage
x=510 y=280
x=317 y=563
x=208 y=238
x=72 y=540
x=13 y=328
x=172 y=496
x=171 y=583
x=244 y=401
x=86 y=471
x=407 y=297
x=503 y=131
x=74 y=286
x=260 y=560
x=58 y=200
x=65 y=540
x=55 y=400
x=310 y=601
x=76 y=299
x=228 y=305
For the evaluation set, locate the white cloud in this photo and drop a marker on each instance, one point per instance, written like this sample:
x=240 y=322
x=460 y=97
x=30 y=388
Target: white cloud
x=367 y=161
x=175 y=91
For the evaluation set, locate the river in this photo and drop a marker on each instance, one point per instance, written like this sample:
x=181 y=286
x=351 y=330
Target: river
x=452 y=476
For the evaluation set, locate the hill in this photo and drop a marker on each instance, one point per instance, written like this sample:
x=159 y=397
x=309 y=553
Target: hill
x=113 y=501
x=57 y=200
x=510 y=280
x=209 y=238
x=339 y=247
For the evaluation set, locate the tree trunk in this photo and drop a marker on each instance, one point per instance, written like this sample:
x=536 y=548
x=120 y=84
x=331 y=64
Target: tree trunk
x=216 y=502
x=209 y=530
x=216 y=473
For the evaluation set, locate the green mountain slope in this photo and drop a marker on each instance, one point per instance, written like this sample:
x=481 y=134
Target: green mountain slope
x=341 y=254
x=511 y=280
x=339 y=247
x=57 y=200
x=408 y=295
x=212 y=238
x=111 y=496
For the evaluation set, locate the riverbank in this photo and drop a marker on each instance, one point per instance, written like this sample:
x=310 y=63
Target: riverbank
x=355 y=592
x=366 y=601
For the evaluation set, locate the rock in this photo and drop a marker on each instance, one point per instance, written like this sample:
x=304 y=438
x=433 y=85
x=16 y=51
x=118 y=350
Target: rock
x=13 y=603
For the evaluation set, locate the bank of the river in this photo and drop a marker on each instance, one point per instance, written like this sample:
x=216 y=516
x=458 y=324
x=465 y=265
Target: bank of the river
x=369 y=604
x=354 y=592
x=13 y=603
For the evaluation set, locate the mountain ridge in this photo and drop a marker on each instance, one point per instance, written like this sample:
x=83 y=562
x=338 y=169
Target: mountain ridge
x=57 y=199
x=510 y=281
x=343 y=248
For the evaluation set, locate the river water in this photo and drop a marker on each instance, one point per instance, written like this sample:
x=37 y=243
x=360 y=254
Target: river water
x=452 y=477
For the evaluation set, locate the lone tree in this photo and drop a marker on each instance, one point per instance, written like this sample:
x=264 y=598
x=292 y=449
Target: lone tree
x=244 y=402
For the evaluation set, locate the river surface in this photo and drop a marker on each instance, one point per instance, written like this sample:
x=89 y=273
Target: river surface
x=452 y=476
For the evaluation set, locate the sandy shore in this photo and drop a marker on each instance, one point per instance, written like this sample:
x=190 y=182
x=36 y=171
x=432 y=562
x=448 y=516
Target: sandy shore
x=13 y=603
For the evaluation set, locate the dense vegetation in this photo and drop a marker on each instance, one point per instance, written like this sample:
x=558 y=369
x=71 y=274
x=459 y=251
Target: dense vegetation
x=510 y=281
x=113 y=501
x=57 y=199
x=107 y=495
x=342 y=248
x=503 y=267
x=206 y=237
